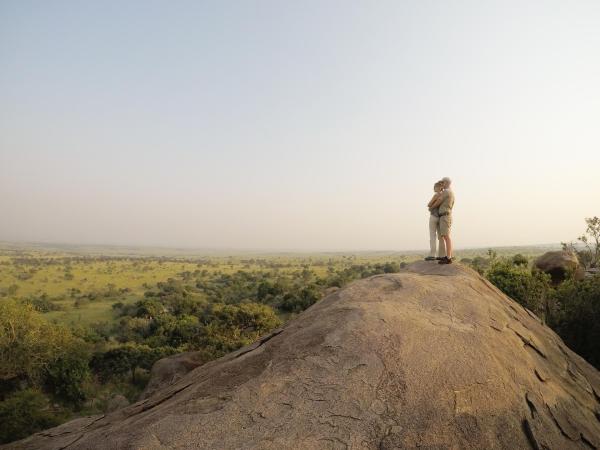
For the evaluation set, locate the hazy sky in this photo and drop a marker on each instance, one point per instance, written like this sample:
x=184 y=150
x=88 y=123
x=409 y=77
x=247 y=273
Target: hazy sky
x=297 y=124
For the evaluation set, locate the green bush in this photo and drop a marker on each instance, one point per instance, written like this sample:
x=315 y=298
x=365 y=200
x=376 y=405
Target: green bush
x=298 y=302
x=578 y=320
x=126 y=359
x=25 y=412
x=479 y=264
x=43 y=304
x=530 y=289
x=520 y=260
x=28 y=343
x=64 y=377
x=229 y=327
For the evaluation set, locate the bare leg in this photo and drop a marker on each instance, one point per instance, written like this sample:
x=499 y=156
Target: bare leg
x=441 y=247
x=448 y=243
x=441 y=243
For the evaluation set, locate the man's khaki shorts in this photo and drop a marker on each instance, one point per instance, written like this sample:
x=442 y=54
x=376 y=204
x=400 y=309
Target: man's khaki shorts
x=445 y=224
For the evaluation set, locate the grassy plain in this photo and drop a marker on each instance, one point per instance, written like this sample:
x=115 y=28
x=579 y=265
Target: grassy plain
x=68 y=275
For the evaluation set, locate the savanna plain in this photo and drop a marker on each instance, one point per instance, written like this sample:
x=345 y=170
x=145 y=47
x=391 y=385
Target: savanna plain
x=81 y=327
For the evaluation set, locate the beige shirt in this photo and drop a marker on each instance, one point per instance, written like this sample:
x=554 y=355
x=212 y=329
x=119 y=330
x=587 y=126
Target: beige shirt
x=447 y=202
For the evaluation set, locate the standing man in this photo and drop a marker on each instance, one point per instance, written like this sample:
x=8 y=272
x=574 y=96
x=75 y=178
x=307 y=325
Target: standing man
x=446 y=203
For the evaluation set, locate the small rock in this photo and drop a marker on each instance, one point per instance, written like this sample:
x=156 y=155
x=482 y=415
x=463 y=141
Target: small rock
x=116 y=402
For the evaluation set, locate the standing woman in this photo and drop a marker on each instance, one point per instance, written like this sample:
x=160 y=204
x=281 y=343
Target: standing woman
x=434 y=225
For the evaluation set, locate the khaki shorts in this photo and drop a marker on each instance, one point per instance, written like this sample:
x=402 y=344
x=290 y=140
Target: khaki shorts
x=445 y=225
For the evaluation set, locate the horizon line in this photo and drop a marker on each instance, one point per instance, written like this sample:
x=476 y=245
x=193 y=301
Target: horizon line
x=256 y=250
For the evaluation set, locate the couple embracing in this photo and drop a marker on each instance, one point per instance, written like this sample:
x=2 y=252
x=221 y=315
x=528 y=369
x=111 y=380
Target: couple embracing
x=440 y=221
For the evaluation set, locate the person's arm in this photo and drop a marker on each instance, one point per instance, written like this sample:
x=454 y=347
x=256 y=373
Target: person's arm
x=433 y=199
x=438 y=201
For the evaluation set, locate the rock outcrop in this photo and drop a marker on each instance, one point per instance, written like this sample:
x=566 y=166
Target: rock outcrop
x=117 y=402
x=559 y=264
x=433 y=357
x=167 y=371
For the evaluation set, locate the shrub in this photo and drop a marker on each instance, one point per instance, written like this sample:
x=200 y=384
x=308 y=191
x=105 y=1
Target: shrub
x=43 y=304
x=119 y=361
x=298 y=302
x=530 y=289
x=23 y=413
x=229 y=327
x=578 y=320
x=64 y=377
x=28 y=343
x=520 y=260
x=480 y=264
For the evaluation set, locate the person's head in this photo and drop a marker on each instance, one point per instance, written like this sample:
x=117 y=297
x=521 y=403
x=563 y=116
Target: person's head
x=446 y=182
x=438 y=186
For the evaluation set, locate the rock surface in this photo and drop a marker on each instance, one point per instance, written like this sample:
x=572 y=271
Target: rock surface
x=433 y=357
x=167 y=371
x=117 y=402
x=559 y=264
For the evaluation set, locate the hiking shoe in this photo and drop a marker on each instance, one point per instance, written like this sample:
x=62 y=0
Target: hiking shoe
x=439 y=258
x=430 y=258
x=445 y=260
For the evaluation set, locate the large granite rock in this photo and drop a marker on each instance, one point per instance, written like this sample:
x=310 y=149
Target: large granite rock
x=559 y=265
x=433 y=357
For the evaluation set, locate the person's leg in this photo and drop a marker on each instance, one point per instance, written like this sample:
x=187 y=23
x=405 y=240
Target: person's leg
x=433 y=226
x=445 y=223
x=448 y=239
x=448 y=242
x=441 y=244
x=441 y=247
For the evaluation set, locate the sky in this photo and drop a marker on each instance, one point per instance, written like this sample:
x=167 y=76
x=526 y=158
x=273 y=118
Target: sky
x=305 y=125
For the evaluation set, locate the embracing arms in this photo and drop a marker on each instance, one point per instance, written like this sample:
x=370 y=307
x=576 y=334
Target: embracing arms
x=435 y=200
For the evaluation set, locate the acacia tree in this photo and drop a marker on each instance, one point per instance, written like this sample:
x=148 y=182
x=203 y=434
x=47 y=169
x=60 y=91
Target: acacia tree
x=28 y=343
x=591 y=240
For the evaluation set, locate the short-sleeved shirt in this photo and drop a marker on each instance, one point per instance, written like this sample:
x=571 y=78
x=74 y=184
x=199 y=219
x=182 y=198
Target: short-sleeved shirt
x=447 y=202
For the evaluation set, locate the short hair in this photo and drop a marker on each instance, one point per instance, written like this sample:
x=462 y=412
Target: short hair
x=446 y=180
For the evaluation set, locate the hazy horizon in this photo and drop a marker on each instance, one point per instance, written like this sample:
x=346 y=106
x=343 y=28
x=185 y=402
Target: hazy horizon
x=315 y=126
x=250 y=250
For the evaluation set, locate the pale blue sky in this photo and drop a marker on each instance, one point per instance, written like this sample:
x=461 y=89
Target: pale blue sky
x=297 y=125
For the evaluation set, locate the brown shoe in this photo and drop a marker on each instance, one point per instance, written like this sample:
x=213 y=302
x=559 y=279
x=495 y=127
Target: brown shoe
x=445 y=260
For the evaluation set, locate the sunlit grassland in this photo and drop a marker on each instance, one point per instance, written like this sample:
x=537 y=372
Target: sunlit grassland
x=64 y=275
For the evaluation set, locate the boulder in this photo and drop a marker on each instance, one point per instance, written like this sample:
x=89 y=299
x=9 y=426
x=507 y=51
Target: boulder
x=559 y=264
x=117 y=402
x=168 y=370
x=433 y=357
x=330 y=290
